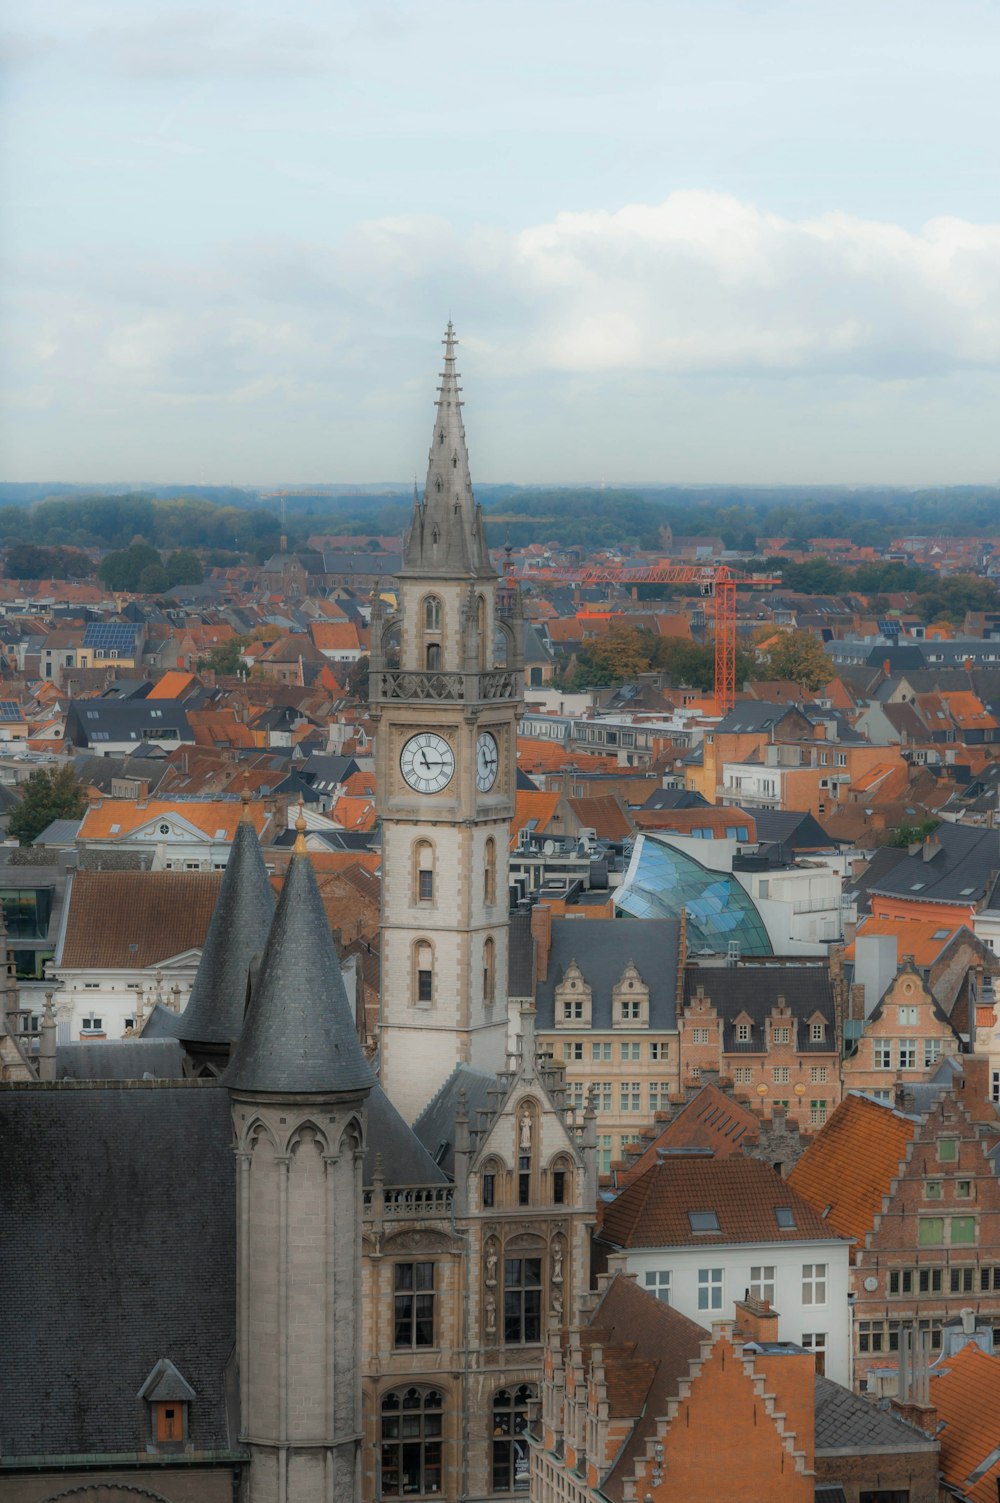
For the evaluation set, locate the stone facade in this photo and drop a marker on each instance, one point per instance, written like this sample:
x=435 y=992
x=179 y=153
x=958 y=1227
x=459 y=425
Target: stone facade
x=446 y=666
x=903 y=1042
x=460 y=1284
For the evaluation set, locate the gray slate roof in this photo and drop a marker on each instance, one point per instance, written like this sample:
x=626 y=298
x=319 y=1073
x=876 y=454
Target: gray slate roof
x=847 y=1422
x=121 y=1059
x=403 y=1157
x=298 y=1034
x=118 y=1205
x=754 y=990
x=602 y=951
x=960 y=867
x=243 y=915
x=435 y=1127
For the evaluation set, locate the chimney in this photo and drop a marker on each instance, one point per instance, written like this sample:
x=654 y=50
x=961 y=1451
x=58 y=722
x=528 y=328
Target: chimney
x=755 y=1319
x=887 y=667
x=541 y=933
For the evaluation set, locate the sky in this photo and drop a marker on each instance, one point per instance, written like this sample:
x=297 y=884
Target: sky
x=741 y=241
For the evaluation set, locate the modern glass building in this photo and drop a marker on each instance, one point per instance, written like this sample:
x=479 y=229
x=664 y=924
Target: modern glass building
x=662 y=880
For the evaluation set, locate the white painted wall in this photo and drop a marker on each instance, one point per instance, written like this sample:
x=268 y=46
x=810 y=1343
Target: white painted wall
x=797 y=1319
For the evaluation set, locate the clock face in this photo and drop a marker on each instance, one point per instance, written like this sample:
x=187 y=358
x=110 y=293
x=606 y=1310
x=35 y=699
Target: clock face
x=427 y=762
x=487 y=762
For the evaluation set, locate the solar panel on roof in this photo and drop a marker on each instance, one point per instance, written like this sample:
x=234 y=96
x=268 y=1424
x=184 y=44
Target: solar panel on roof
x=110 y=636
x=10 y=710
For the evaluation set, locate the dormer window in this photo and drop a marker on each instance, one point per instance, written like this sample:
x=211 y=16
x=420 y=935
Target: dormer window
x=817 y=1032
x=743 y=1033
x=168 y=1397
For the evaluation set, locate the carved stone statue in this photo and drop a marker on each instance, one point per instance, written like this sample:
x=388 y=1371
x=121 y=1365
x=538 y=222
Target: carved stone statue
x=491 y=1315
x=557 y=1262
x=491 y=1263
x=525 y=1129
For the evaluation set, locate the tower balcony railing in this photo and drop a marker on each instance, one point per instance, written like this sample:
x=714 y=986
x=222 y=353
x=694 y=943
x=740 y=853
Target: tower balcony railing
x=397 y=684
x=408 y=1202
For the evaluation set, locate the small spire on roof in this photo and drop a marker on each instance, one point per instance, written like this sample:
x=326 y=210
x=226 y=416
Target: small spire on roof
x=245 y=797
x=300 y=832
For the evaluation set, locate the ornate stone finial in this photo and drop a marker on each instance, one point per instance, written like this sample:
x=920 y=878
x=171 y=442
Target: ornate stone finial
x=299 y=849
x=245 y=798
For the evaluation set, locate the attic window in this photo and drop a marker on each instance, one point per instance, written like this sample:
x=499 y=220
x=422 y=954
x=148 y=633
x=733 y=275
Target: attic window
x=169 y=1397
x=785 y=1217
x=703 y=1221
x=917 y=886
x=966 y=892
x=941 y=933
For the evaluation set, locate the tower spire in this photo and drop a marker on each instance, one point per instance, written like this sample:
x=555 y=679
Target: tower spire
x=446 y=536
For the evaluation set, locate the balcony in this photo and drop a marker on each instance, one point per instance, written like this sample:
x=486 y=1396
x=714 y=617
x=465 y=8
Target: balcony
x=408 y=1202
x=394 y=684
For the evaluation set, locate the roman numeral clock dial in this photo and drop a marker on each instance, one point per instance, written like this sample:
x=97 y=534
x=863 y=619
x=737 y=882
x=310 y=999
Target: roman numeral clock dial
x=487 y=762
x=427 y=762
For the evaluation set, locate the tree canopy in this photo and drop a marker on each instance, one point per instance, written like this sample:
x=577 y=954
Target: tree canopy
x=801 y=657
x=46 y=795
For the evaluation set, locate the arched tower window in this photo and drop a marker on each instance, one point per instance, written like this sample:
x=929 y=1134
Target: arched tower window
x=481 y=624
x=511 y=1469
x=423 y=980
x=489 y=971
x=490 y=871
x=432 y=613
x=412 y=1422
x=432 y=657
x=423 y=871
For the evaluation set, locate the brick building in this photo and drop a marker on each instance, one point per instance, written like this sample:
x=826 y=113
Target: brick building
x=919 y=1193
x=771 y=1029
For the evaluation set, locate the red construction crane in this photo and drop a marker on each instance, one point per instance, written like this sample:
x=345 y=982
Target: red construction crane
x=714 y=579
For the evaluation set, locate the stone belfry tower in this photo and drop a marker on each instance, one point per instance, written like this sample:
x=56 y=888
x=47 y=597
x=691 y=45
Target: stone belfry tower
x=298 y=1085
x=446 y=693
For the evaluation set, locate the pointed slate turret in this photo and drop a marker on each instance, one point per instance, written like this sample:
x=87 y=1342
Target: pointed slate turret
x=447 y=537
x=299 y=1035
x=242 y=917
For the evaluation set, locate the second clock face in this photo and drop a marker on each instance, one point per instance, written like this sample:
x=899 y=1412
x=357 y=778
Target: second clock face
x=427 y=762
x=487 y=762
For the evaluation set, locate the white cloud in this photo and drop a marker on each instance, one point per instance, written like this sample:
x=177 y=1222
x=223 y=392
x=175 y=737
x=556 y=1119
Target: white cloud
x=698 y=286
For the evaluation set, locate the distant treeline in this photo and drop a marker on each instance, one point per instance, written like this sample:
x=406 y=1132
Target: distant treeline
x=87 y=521
x=588 y=518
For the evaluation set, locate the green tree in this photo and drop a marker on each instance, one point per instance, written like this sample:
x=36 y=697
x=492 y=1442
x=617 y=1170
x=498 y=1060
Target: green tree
x=184 y=567
x=225 y=659
x=618 y=656
x=799 y=656
x=357 y=680
x=46 y=796
x=122 y=570
x=152 y=580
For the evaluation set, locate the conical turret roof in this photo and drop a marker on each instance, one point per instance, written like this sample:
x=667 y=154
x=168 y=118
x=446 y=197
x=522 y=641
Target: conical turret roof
x=299 y=1035
x=243 y=913
x=446 y=535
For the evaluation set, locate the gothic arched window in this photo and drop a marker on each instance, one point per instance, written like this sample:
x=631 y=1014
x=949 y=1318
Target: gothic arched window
x=412 y=1421
x=423 y=957
x=490 y=871
x=489 y=971
x=432 y=613
x=433 y=657
x=423 y=872
x=511 y=1469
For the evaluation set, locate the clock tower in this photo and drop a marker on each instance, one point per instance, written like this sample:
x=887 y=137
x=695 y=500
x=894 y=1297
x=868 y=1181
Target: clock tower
x=446 y=695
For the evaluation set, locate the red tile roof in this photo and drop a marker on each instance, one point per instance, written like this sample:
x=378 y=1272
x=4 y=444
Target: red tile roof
x=851 y=1163
x=654 y=1210
x=966 y=1395
x=118 y=920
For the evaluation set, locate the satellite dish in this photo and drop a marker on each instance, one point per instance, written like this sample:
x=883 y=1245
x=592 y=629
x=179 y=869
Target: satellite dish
x=549 y=848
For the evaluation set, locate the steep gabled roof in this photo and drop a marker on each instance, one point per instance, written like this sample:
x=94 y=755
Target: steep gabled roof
x=851 y=1163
